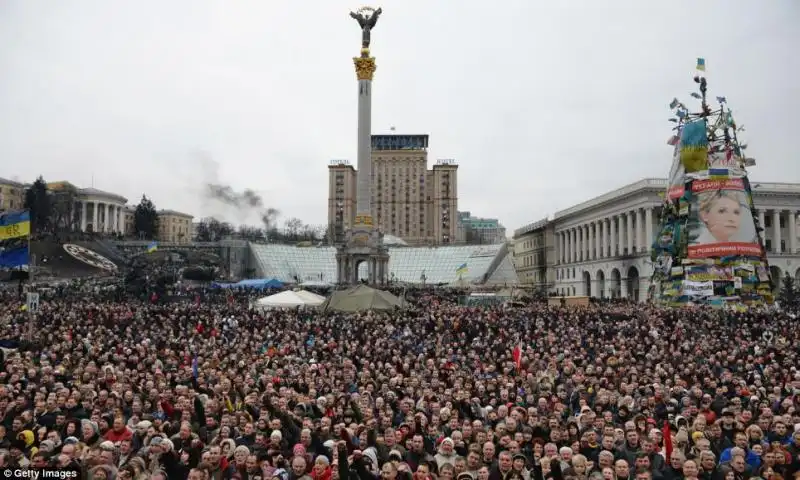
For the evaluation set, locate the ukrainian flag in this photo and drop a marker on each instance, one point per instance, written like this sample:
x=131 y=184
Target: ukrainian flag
x=701 y=64
x=462 y=269
x=15 y=225
x=718 y=174
x=694 y=146
x=152 y=247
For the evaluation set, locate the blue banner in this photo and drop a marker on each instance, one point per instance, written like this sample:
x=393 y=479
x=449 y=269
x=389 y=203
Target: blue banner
x=15 y=257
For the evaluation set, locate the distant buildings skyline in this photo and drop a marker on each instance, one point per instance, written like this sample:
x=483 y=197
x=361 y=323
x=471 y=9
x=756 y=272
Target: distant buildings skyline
x=96 y=210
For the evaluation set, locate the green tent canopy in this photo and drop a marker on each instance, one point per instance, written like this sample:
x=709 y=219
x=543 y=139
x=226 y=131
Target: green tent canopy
x=361 y=298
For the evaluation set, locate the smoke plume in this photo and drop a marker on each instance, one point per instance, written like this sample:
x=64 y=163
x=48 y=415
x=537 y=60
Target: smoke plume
x=242 y=204
x=246 y=199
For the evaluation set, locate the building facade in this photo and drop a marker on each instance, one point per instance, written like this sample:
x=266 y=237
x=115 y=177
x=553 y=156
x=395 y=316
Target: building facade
x=603 y=245
x=478 y=230
x=535 y=254
x=92 y=210
x=174 y=227
x=12 y=195
x=409 y=200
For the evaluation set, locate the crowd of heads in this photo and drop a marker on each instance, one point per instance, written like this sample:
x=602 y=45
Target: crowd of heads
x=204 y=387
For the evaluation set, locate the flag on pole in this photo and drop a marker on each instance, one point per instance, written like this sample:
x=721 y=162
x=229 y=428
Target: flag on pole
x=701 y=64
x=667 y=439
x=517 y=355
x=152 y=247
x=462 y=269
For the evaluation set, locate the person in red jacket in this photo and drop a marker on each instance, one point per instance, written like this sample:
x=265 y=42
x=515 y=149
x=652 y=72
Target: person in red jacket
x=119 y=432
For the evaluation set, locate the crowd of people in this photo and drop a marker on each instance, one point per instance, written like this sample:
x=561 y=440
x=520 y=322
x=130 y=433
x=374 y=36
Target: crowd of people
x=209 y=389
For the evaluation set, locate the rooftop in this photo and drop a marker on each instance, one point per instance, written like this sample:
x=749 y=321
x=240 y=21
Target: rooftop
x=175 y=213
x=101 y=193
x=5 y=181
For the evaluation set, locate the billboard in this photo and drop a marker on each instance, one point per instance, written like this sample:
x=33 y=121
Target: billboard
x=721 y=220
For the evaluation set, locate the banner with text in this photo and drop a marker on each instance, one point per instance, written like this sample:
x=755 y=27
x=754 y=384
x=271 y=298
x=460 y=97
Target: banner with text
x=725 y=225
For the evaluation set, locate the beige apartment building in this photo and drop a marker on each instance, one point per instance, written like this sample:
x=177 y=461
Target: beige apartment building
x=174 y=227
x=12 y=195
x=535 y=254
x=409 y=200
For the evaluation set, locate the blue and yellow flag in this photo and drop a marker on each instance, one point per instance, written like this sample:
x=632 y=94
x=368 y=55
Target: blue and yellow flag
x=462 y=269
x=152 y=247
x=701 y=64
x=15 y=225
x=694 y=146
x=718 y=174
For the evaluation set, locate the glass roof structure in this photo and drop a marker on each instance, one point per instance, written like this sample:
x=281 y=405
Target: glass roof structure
x=431 y=265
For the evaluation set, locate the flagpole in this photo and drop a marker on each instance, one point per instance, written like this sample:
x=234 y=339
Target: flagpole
x=31 y=289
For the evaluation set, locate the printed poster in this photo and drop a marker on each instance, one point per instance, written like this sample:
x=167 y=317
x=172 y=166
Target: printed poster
x=698 y=289
x=726 y=225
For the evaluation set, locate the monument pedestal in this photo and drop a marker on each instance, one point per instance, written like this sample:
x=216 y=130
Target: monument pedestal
x=363 y=243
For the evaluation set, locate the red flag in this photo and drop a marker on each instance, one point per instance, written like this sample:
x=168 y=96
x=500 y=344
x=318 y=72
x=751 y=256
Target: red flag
x=667 y=440
x=517 y=355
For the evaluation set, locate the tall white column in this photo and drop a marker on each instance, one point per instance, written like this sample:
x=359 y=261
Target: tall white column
x=613 y=223
x=648 y=225
x=776 y=231
x=581 y=243
x=575 y=244
x=365 y=68
x=95 y=215
x=563 y=247
x=597 y=237
x=639 y=230
x=603 y=238
x=629 y=232
x=588 y=248
x=790 y=217
x=568 y=249
x=761 y=224
x=84 y=216
x=589 y=241
x=107 y=220
x=586 y=242
x=558 y=248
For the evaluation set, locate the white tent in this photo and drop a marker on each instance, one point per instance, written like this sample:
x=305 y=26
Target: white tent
x=288 y=299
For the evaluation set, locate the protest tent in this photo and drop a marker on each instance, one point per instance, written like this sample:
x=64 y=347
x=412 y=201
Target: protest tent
x=290 y=299
x=361 y=298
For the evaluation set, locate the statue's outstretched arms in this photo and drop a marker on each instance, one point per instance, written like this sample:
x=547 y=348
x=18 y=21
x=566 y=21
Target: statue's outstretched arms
x=373 y=19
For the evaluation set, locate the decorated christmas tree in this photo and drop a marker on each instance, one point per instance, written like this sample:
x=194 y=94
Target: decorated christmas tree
x=709 y=249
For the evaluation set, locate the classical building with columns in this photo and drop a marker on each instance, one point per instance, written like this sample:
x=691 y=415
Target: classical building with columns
x=602 y=245
x=95 y=210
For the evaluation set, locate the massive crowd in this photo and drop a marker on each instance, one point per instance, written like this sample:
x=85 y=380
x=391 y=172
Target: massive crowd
x=209 y=389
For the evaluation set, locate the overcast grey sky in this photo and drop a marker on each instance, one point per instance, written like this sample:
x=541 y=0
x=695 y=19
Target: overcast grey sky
x=543 y=104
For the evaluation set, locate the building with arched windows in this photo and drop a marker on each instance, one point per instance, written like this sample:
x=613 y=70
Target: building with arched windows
x=601 y=247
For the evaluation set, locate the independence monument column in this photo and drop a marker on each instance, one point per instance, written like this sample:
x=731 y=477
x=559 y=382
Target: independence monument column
x=363 y=242
x=365 y=69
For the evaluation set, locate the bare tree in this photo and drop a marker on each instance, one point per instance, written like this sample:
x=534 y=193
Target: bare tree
x=63 y=209
x=294 y=227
